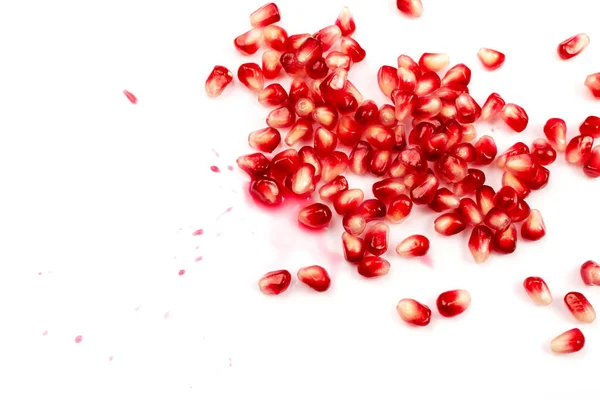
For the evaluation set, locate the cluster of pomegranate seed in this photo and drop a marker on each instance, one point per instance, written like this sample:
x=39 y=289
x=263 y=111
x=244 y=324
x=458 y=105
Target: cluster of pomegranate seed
x=421 y=147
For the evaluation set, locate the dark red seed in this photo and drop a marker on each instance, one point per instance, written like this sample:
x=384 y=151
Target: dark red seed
x=372 y=267
x=315 y=277
x=475 y=179
x=590 y=127
x=354 y=247
x=505 y=242
x=454 y=302
x=275 y=282
x=376 y=238
x=542 y=152
x=486 y=150
x=315 y=216
x=449 y=224
x=372 y=209
x=444 y=200
x=266 y=191
x=399 y=209
x=497 y=219
x=506 y=199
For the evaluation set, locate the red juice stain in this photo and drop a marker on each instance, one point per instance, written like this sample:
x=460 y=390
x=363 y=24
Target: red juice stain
x=130 y=96
x=167 y=315
x=198 y=232
x=110 y=358
x=216 y=154
x=230 y=362
x=230 y=168
x=224 y=212
x=199 y=258
x=197 y=247
x=78 y=339
x=138 y=307
x=427 y=260
x=214 y=168
x=39 y=273
x=45 y=333
x=181 y=272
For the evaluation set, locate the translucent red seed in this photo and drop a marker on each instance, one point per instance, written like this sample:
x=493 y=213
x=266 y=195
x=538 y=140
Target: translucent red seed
x=491 y=59
x=505 y=242
x=453 y=303
x=449 y=224
x=373 y=267
x=413 y=246
x=251 y=76
x=515 y=117
x=249 y=42
x=275 y=282
x=265 y=15
x=353 y=246
x=555 y=130
x=590 y=273
x=580 y=307
x=316 y=277
x=481 y=243
x=592 y=82
x=376 y=239
x=315 y=216
x=255 y=164
x=345 y=21
x=533 y=228
x=411 y=8
x=579 y=149
x=219 y=78
x=538 y=291
x=591 y=127
x=399 y=209
x=542 y=152
x=573 y=46
x=413 y=312
x=568 y=342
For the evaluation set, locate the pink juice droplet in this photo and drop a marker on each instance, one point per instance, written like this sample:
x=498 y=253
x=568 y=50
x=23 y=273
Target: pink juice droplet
x=214 y=168
x=130 y=96
x=78 y=339
x=181 y=272
x=198 y=232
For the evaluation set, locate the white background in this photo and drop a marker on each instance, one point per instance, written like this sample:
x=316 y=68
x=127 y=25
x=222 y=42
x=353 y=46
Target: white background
x=101 y=197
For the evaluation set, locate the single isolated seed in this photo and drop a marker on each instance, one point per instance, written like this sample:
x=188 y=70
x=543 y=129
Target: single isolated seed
x=591 y=127
x=590 y=273
x=580 y=307
x=533 y=228
x=555 y=130
x=453 y=303
x=345 y=21
x=373 y=267
x=219 y=78
x=573 y=46
x=411 y=8
x=315 y=216
x=275 y=282
x=579 y=149
x=315 y=277
x=354 y=224
x=569 y=342
x=491 y=59
x=413 y=246
x=592 y=82
x=249 y=42
x=537 y=290
x=449 y=224
x=413 y=312
x=515 y=117
x=434 y=61
x=251 y=76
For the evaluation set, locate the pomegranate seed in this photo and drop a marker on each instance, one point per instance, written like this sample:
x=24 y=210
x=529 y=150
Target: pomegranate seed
x=469 y=133
x=387 y=189
x=444 y=200
x=486 y=150
x=282 y=117
x=590 y=273
x=420 y=133
x=325 y=116
x=291 y=65
x=315 y=216
x=449 y=224
x=348 y=131
x=387 y=116
x=449 y=110
x=348 y=201
x=219 y=78
x=413 y=246
x=399 y=137
x=337 y=59
x=294 y=42
x=414 y=313
x=405 y=103
x=407 y=81
x=251 y=76
x=509 y=179
x=593 y=84
x=266 y=191
x=298 y=90
x=579 y=149
x=485 y=199
x=284 y=163
x=248 y=43
x=464 y=151
x=492 y=106
x=360 y=158
x=540 y=180
x=345 y=21
x=317 y=69
x=307 y=155
x=435 y=146
x=275 y=37
x=491 y=59
x=590 y=127
x=325 y=141
x=346 y=104
x=505 y=242
x=309 y=51
x=427 y=83
x=434 y=62
x=315 y=277
x=255 y=164
x=475 y=178
x=556 y=132
x=380 y=137
x=520 y=212
x=497 y=219
x=515 y=149
x=480 y=243
x=380 y=162
x=592 y=165
x=569 y=342
x=367 y=113
x=334 y=165
x=376 y=239
x=409 y=161
x=425 y=189
x=407 y=62
x=304 y=107
x=542 y=152
x=350 y=88
x=533 y=228
x=266 y=139
x=302 y=181
x=470 y=212
x=329 y=191
x=372 y=267
x=453 y=303
x=372 y=209
x=271 y=66
x=573 y=46
x=273 y=95
x=426 y=107
x=410 y=8
x=328 y=36
x=387 y=78
x=354 y=224
x=453 y=130
x=538 y=291
x=451 y=169
x=354 y=247
x=265 y=15
x=515 y=117
x=353 y=49
x=506 y=199
x=521 y=165
x=399 y=209
x=451 y=92
x=580 y=307
x=275 y=282
x=459 y=75
x=468 y=109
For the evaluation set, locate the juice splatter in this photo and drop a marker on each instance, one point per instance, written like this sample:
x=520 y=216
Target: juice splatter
x=130 y=96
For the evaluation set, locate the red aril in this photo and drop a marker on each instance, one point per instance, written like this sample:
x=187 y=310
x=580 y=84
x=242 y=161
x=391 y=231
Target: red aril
x=317 y=69
x=580 y=307
x=301 y=182
x=521 y=165
x=325 y=116
x=348 y=201
x=468 y=133
x=464 y=151
x=460 y=75
x=471 y=213
x=248 y=43
x=592 y=82
x=399 y=137
x=283 y=164
x=334 y=165
x=506 y=199
x=309 y=51
x=491 y=59
x=387 y=78
x=345 y=21
x=307 y=155
x=468 y=109
x=266 y=139
x=515 y=117
x=273 y=95
x=421 y=131
x=282 y=117
x=497 y=219
x=255 y=164
x=315 y=216
x=480 y=243
x=449 y=224
x=271 y=65
x=387 y=115
x=298 y=90
x=315 y=277
x=453 y=130
x=386 y=189
x=486 y=150
x=555 y=130
x=451 y=169
x=265 y=15
x=453 y=303
x=517 y=148
x=329 y=191
x=520 y=212
x=304 y=107
x=405 y=104
x=409 y=161
x=411 y=8
x=533 y=228
x=592 y=165
x=475 y=178
x=328 y=36
x=376 y=239
x=219 y=78
x=424 y=189
x=348 y=131
x=451 y=92
x=337 y=59
x=380 y=137
x=590 y=273
x=590 y=127
x=520 y=187
x=354 y=224
x=435 y=145
x=407 y=62
x=373 y=267
x=426 y=107
x=294 y=42
x=399 y=209
x=275 y=282
x=579 y=149
x=540 y=179
x=485 y=199
x=492 y=106
x=569 y=342
x=444 y=200
x=572 y=46
x=266 y=191
x=354 y=247
x=372 y=209
x=505 y=242
x=538 y=291
x=413 y=246
x=325 y=141
x=407 y=81
x=360 y=158
x=251 y=76
x=380 y=162
x=448 y=111
x=427 y=83
x=542 y=152
x=433 y=62
x=414 y=313
x=353 y=49
x=291 y=65
x=367 y=113
x=275 y=37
